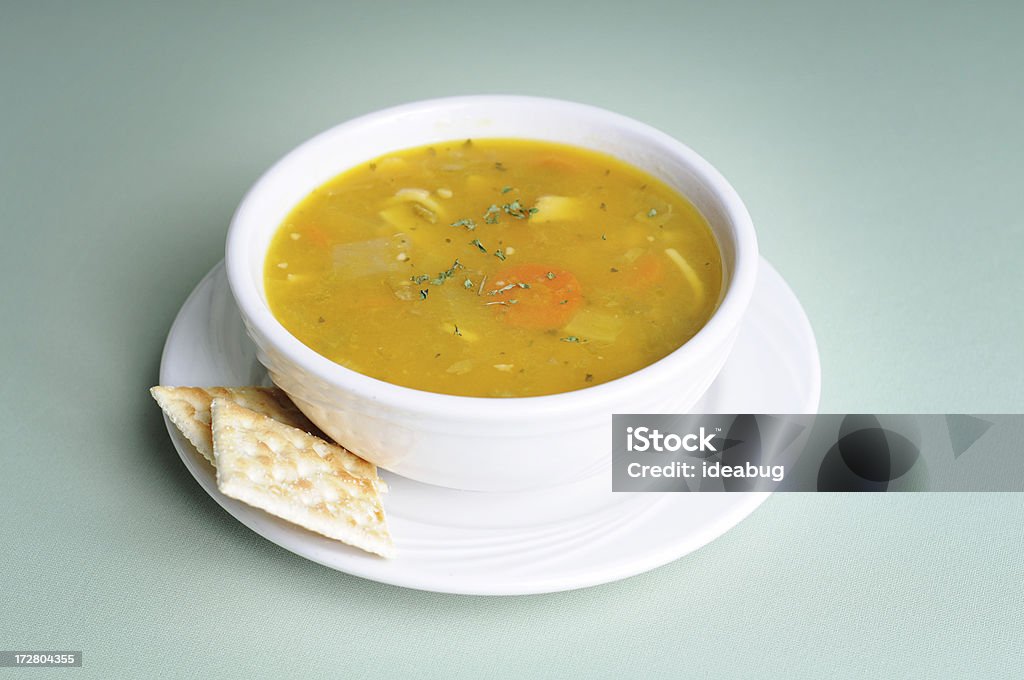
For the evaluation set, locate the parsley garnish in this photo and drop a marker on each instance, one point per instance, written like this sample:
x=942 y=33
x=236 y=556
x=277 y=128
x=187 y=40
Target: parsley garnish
x=449 y=273
x=571 y=338
x=515 y=209
x=652 y=213
x=441 y=276
x=457 y=331
x=467 y=284
x=551 y=275
x=498 y=291
x=470 y=225
x=491 y=216
x=424 y=294
x=505 y=190
x=480 y=246
x=499 y=254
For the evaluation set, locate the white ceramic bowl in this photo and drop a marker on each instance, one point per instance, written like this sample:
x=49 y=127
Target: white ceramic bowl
x=471 y=442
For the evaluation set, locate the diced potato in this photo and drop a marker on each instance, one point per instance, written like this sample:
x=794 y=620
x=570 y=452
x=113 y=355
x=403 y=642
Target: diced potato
x=595 y=325
x=556 y=209
x=391 y=166
x=417 y=196
x=411 y=207
x=400 y=217
x=461 y=367
x=408 y=216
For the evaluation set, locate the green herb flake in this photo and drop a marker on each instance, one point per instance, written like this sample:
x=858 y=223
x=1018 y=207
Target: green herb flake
x=533 y=211
x=441 y=276
x=499 y=291
x=491 y=216
x=470 y=225
x=564 y=302
x=424 y=293
x=550 y=275
x=480 y=246
x=571 y=338
x=652 y=213
x=515 y=209
x=499 y=254
x=467 y=284
x=604 y=237
x=458 y=332
x=506 y=189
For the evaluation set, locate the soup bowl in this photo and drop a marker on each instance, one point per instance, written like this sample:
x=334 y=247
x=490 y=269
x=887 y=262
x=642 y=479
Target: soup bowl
x=476 y=443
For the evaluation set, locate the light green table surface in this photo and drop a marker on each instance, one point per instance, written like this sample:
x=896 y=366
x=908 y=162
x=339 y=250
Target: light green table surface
x=878 y=146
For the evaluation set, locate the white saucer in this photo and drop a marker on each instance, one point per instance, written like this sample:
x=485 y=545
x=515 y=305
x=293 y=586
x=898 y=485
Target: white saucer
x=516 y=543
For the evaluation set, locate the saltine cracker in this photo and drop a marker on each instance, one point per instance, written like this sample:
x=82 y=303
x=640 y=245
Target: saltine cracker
x=298 y=477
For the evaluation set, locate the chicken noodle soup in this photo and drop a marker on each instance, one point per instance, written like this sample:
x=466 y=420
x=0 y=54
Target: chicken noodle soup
x=494 y=268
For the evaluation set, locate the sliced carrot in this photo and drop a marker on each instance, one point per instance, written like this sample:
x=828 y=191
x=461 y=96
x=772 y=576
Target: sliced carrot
x=645 y=271
x=316 y=235
x=535 y=295
x=557 y=163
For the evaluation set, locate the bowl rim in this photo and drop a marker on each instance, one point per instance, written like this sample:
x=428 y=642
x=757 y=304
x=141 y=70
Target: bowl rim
x=716 y=331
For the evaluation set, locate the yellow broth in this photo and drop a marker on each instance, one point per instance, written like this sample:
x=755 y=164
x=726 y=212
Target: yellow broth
x=494 y=268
